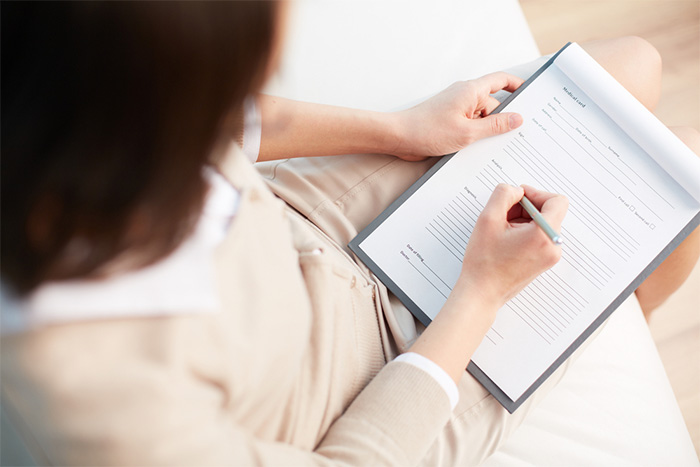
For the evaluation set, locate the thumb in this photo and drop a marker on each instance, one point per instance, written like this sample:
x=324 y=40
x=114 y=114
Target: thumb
x=495 y=124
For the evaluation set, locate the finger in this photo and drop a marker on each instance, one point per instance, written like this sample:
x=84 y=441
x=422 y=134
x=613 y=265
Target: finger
x=517 y=214
x=414 y=158
x=478 y=113
x=538 y=197
x=554 y=210
x=498 y=81
x=490 y=105
x=503 y=198
x=495 y=124
x=552 y=206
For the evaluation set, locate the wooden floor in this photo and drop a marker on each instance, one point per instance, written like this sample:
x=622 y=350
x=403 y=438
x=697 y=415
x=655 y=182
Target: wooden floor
x=673 y=27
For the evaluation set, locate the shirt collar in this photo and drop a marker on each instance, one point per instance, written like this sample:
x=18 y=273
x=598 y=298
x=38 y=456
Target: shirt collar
x=183 y=282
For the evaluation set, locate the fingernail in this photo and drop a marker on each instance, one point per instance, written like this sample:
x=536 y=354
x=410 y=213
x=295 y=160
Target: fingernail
x=515 y=120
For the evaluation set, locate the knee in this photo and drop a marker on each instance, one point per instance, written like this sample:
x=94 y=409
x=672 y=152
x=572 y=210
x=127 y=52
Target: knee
x=634 y=62
x=643 y=64
x=641 y=50
x=689 y=136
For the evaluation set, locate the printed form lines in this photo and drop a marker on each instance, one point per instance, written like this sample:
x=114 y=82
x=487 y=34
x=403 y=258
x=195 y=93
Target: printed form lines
x=427 y=279
x=541 y=160
x=617 y=239
x=622 y=184
x=619 y=158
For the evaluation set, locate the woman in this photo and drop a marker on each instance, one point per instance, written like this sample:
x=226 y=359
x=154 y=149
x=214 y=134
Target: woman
x=170 y=309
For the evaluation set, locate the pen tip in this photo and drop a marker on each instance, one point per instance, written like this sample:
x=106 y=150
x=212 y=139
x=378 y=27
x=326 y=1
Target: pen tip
x=557 y=240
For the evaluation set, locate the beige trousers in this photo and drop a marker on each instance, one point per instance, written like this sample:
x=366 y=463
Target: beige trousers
x=341 y=195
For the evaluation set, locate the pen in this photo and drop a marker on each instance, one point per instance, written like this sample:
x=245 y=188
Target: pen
x=539 y=220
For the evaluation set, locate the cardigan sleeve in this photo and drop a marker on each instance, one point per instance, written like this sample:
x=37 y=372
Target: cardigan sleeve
x=394 y=421
x=156 y=414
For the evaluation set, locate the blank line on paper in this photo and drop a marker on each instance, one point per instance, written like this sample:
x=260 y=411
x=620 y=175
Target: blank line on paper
x=618 y=157
x=594 y=159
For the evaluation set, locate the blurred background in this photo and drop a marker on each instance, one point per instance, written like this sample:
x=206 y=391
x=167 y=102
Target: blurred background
x=673 y=27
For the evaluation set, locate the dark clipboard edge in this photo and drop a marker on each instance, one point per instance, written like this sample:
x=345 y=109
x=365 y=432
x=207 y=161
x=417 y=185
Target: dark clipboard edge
x=507 y=403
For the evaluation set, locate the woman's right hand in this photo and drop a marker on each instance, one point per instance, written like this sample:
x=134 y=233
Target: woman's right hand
x=507 y=250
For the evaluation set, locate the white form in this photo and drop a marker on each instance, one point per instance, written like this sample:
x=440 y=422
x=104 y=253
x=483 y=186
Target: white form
x=629 y=198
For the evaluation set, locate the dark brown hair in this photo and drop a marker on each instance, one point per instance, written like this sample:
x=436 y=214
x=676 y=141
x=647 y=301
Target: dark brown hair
x=109 y=112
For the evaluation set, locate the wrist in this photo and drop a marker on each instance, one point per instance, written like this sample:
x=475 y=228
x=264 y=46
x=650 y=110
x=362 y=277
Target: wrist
x=391 y=136
x=371 y=132
x=455 y=333
x=477 y=293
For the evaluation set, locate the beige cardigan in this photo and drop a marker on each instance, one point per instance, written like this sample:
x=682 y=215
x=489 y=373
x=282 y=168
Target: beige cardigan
x=290 y=371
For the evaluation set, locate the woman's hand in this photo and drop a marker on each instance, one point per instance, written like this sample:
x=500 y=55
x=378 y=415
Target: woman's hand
x=506 y=251
x=455 y=118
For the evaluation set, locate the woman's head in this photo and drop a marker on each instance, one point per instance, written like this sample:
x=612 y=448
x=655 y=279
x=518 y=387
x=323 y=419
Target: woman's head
x=109 y=112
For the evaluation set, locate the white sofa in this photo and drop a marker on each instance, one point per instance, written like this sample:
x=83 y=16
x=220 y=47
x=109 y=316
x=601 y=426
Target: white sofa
x=615 y=406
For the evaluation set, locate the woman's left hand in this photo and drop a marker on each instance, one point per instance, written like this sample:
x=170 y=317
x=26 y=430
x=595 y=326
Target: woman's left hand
x=455 y=118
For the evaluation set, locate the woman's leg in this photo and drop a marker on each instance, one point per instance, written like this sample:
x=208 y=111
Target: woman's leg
x=341 y=195
x=632 y=61
x=677 y=267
